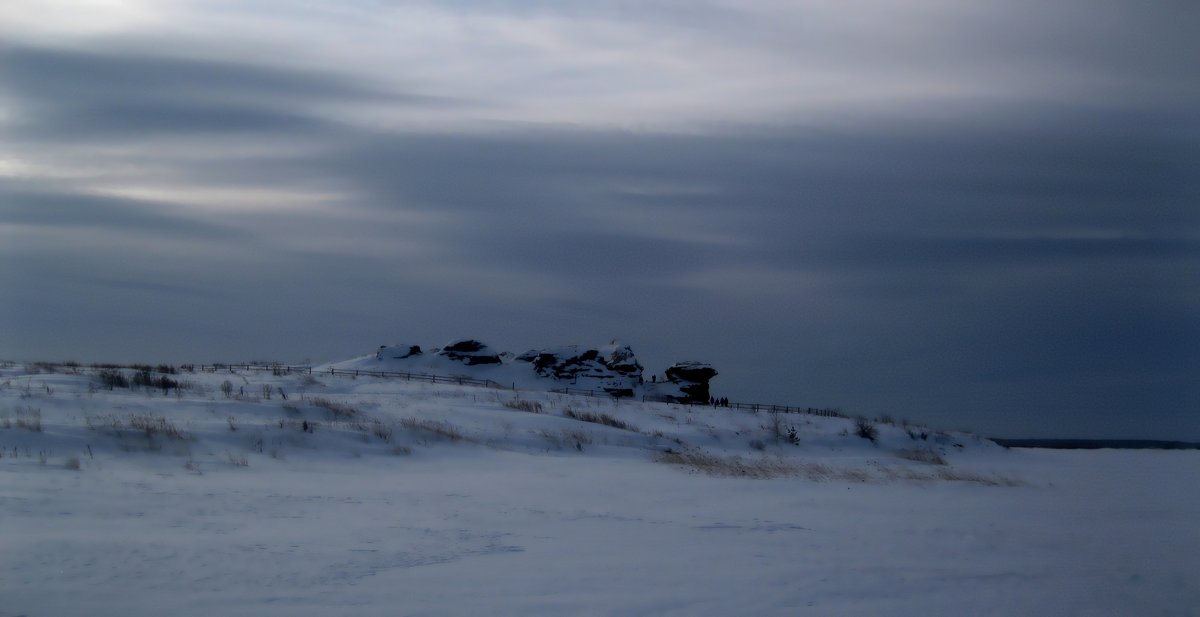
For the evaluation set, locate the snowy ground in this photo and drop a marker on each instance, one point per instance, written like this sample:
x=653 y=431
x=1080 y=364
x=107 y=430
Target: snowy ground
x=413 y=499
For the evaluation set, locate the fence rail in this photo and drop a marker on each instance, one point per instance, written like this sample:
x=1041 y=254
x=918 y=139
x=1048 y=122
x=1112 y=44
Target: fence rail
x=337 y=372
x=275 y=368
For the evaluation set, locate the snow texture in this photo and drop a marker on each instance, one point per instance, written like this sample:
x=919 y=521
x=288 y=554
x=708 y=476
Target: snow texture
x=385 y=497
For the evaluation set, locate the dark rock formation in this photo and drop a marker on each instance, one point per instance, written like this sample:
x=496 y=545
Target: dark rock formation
x=470 y=352
x=397 y=352
x=614 y=366
x=692 y=378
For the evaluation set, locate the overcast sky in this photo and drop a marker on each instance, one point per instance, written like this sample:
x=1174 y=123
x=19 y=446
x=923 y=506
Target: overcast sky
x=982 y=215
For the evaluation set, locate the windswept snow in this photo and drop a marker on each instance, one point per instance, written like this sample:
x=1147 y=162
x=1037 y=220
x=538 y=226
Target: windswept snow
x=405 y=498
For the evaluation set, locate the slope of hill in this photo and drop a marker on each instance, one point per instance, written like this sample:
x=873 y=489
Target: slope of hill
x=253 y=493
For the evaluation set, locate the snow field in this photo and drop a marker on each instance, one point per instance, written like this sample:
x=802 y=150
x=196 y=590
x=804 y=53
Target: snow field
x=413 y=499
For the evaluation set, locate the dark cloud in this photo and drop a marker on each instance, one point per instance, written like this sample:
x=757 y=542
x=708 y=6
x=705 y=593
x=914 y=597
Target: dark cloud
x=86 y=94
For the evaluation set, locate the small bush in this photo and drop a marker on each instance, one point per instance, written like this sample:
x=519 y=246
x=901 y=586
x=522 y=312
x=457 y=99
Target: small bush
x=112 y=378
x=237 y=459
x=73 y=464
x=863 y=428
x=757 y=444
x=381 y=430
x=143 y=379
x=227 y=388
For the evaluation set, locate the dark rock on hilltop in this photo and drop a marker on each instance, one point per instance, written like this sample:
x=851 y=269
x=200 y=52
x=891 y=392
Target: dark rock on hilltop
x=470 y=352
x=397 y=352
x=692 y=378
x=614 y=365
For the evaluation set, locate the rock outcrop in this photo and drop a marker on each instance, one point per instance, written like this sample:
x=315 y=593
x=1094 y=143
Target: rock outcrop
x=611 y=368
x=470 y=352
x=692 y=379
x=397 y=352
x=614 y=366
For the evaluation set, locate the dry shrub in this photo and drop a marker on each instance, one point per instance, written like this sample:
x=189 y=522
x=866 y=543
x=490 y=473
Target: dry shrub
x=29 y=418
x=381 y=430
x=863 y=428
x=336 y=410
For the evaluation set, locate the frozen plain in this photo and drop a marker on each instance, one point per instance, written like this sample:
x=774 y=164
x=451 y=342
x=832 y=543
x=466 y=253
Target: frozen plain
x=469 y=506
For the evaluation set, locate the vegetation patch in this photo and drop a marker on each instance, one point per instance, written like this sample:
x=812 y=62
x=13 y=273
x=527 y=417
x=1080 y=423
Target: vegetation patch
x=436 y=428
x=597 y=418
x=336 y=410
x=921 y=455
x=523 y=405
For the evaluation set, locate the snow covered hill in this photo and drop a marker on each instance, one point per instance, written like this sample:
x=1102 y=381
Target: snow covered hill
x=274 y=492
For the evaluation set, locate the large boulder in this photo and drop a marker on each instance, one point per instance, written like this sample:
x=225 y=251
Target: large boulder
x=692 y=379
x=470 y=352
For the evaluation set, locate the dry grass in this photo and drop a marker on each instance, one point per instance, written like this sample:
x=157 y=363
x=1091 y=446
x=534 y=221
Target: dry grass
x=28 y=418
x=567 y=438
x=155 y=425
x=597 y=418
x=436 y=428
x=733 y=466
x=766 y=467
x=523 y=405
x=336 y=410
x=921 y=455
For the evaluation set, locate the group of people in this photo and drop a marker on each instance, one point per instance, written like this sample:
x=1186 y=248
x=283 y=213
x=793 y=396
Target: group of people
x=718 y=402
